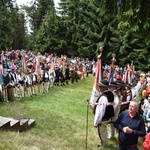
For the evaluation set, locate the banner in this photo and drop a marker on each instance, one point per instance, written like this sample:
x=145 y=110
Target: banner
x=98 y=77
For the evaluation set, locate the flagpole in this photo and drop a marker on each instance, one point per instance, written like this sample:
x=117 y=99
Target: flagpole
x=98 y=77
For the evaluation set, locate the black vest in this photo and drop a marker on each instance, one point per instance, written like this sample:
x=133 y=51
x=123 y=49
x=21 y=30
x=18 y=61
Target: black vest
x=109 y=109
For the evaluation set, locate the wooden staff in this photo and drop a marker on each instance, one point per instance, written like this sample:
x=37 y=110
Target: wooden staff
x=87 y=125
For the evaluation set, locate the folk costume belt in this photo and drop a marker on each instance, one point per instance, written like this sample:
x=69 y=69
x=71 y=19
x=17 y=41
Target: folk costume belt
x=134 y=145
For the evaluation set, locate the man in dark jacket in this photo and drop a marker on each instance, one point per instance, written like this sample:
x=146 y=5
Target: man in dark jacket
x=130 y=126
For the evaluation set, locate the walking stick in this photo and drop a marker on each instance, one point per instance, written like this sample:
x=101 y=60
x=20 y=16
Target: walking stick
x=87 y=124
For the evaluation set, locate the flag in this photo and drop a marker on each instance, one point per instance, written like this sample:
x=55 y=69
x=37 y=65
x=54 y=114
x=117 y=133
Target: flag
x=128 y=75
x=111 y=70
x=24 y=64
x=98 y=77
x=38 y=68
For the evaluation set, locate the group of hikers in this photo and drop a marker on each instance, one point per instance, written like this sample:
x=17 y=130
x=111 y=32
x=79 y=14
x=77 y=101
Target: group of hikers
x=121 y=101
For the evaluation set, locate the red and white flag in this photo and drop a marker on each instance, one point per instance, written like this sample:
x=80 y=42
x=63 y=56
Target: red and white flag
x=98 y=77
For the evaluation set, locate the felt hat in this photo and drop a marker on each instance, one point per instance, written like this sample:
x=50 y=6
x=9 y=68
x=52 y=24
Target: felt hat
x=129 y=85
x=113 y=84
x=103 y=83
x=120 y=84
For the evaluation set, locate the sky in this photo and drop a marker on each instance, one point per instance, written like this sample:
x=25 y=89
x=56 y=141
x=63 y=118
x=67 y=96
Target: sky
x=21 y=2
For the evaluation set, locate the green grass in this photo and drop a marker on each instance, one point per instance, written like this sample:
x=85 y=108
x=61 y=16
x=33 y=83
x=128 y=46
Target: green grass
x=60 y=117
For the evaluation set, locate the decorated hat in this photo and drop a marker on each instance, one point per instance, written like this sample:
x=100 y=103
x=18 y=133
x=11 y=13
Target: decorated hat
x=103 y=83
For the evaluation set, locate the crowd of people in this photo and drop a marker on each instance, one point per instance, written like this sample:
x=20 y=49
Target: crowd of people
x=122 y=102
x=25 y=73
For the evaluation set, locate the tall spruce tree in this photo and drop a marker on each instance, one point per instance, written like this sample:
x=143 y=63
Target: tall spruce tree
x=47 y=39
x=6 y=27
x=19 y=28
x=132 y=27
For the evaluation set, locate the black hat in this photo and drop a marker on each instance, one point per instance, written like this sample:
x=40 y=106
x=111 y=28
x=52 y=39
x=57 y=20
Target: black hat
x=118 y=82
x=120 y=85
x=113 y=84
x=103 y=83
x=129 y=85
x=9 y=70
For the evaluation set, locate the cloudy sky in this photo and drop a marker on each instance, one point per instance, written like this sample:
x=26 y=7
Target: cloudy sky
x=20 y=2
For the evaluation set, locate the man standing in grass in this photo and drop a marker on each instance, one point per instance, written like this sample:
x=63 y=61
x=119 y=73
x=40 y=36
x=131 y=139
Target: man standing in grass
x=130 y=126
x=103 y=111
x=117 y=103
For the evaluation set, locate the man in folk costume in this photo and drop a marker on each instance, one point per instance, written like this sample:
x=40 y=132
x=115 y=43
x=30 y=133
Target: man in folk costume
x=46 y=79
x=103 y=112
x=74 y=74
x=34 y=82
x=62 y=72
x=117 y=103
x=9 y=85
x=51 y=74
x=57 y=70
x=67 y=73
x=80 y=71
x=14 y=79
x=61 y=77
x=20 y=82
x=28 y=84
x=129 y=94
x=84 y=72
x=42 y=79
x=122 y=92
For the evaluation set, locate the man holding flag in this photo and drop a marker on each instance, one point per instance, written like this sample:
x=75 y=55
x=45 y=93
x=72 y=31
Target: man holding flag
x=104 y=111
x=102 y=96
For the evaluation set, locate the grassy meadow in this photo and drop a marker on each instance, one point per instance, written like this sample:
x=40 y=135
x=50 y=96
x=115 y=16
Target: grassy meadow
x=60 y=116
